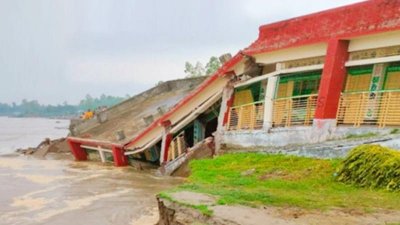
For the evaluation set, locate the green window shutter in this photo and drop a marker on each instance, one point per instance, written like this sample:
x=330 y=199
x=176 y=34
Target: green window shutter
x=305 y=83
x=360 y=70
x=255 y=88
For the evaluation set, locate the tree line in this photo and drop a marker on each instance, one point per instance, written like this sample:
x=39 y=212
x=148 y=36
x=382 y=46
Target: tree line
x=32 y=108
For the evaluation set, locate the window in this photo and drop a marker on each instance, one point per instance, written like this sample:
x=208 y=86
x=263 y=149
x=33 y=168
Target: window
x=358 y=79
x=250 y=93
x=292 y=85
x=392 y=78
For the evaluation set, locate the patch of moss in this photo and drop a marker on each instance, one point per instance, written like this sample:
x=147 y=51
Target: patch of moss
x=366 y=135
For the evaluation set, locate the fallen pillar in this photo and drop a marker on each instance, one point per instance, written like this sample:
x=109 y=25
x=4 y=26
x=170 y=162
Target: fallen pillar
x=120 y=159
x=78 y=152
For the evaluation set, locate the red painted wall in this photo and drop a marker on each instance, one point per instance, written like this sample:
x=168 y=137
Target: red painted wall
x=349 y=21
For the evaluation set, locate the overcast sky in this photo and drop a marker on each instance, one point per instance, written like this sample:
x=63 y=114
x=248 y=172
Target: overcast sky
x=61 y=50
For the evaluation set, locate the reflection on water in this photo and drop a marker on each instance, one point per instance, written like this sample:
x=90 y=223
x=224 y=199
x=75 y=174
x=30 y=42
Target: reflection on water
x=66 y=192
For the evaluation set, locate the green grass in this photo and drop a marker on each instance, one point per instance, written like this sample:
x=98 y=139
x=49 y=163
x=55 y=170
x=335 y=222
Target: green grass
x=366 y=135
x=282 y=181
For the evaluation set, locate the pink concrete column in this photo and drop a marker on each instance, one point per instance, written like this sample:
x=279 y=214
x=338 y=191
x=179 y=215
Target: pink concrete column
x=332 y=80
x=78 y=152
x=229 y=104
x=166 y=141
x=120 y=159
x=228 y=98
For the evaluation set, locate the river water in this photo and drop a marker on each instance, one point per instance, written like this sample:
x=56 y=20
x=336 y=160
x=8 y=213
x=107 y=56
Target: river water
x=59 y=191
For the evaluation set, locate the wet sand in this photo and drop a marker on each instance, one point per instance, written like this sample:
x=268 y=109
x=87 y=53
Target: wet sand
x=61 y=191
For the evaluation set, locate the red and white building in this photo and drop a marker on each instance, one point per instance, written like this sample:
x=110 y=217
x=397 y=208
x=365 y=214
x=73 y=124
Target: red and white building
x=305 y=79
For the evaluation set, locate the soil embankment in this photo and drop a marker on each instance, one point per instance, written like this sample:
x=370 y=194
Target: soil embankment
x=281 y=190
x=184 y=212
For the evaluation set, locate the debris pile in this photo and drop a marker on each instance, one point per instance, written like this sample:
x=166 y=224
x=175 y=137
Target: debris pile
x=56 y=146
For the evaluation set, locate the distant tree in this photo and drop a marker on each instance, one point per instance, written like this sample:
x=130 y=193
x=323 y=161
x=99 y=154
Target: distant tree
x=199 y=70
x=104 y=100
x=194 y=71
x=159 y=83
x=213 y=65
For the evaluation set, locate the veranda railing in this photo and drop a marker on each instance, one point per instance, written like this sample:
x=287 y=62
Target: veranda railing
x=380 y=108
x=297 y=110
x=246 y=117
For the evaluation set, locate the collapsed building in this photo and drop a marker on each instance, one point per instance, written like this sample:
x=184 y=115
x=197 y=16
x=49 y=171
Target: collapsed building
x=304 y=80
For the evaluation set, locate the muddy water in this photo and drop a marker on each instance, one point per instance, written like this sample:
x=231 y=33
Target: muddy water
x=57 y=190
x=29 y=132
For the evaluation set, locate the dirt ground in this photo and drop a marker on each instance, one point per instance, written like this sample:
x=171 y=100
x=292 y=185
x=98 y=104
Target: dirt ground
x=243 y=215
x=293 y=216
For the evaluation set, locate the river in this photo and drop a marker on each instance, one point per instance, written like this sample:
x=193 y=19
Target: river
x=57 y=190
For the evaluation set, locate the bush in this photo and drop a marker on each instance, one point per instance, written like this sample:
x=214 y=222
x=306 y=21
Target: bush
x=371 y=166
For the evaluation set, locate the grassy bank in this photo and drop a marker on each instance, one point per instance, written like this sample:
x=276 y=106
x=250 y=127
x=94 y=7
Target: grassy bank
x=258 y=179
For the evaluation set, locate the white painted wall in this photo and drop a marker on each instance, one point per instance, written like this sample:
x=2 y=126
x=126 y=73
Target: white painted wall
x=289 y=54
x=375 y=41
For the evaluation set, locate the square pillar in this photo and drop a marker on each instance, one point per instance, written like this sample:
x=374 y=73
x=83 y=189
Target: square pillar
x=120 y=159
x=332 y=80
x=269 y=102
x=226 y=104
x=165 y=142
x=78 y=152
